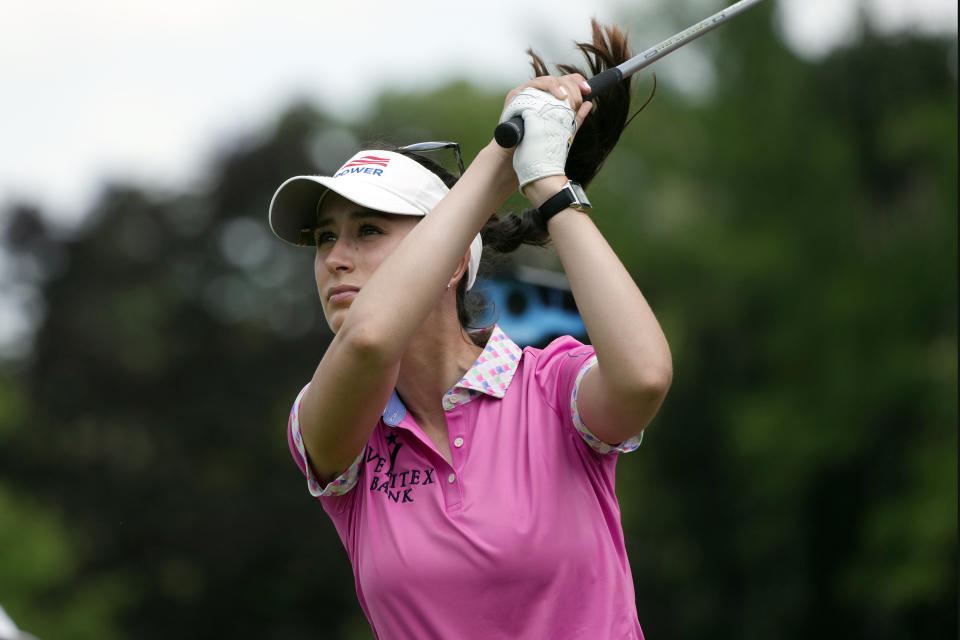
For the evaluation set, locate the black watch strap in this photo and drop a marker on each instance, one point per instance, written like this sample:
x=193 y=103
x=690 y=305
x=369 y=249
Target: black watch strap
x=555 y=204
x=571 y=195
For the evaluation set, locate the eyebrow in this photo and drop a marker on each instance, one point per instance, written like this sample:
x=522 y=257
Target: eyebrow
x=356 y=215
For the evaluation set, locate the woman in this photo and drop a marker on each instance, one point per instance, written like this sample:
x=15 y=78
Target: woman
x=472 y=482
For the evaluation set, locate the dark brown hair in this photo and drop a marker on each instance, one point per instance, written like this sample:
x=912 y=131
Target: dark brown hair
x=594 y=141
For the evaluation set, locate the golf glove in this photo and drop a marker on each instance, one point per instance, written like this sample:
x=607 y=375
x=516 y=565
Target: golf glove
x=549 y=125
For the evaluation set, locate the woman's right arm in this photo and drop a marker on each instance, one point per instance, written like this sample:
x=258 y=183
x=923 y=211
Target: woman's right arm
x=358 y=372
x=342 y=404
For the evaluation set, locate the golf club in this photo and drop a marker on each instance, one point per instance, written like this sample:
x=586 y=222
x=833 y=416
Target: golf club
x=510 y=133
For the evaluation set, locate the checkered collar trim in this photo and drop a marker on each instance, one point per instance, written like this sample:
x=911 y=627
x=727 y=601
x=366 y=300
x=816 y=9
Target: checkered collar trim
x=491 y=374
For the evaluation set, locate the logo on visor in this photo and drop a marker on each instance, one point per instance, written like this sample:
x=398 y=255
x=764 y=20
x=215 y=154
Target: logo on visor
x=364 y=164
x=367 y=160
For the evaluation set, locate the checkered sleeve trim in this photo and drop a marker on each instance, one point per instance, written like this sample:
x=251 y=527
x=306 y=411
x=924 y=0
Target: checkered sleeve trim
x=596 y=443
x=337 y=487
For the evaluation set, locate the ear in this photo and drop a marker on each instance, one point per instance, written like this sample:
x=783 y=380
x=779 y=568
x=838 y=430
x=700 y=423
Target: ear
x=460 y=272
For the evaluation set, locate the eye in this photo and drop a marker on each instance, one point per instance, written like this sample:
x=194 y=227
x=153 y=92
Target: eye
x=369 y=230
x=322 y=237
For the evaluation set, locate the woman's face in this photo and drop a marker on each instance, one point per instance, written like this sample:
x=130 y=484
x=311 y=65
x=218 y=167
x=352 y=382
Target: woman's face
x=351 y=243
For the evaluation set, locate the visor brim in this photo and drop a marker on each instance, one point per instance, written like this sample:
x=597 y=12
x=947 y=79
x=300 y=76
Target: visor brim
x=293 y=208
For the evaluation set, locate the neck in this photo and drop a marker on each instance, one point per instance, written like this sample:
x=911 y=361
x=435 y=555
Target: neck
x=437 y=357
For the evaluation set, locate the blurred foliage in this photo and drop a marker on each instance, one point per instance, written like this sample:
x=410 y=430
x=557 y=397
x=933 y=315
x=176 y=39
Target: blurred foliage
x=796 y=233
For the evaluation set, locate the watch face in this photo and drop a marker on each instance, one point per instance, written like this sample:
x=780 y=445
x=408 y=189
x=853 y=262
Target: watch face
x=582 y=200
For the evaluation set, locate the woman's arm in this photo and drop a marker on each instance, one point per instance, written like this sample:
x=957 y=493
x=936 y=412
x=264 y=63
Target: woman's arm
x=621 y=394
x=358 y=372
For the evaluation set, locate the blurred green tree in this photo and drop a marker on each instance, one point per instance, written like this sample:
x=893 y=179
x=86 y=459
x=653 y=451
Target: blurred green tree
x=795 y=231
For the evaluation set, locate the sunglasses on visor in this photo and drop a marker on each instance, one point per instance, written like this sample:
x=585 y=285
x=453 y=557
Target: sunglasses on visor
x=420 y=147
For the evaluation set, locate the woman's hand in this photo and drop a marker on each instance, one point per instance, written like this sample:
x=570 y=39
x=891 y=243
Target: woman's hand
x=571 y=86
x=552 y=109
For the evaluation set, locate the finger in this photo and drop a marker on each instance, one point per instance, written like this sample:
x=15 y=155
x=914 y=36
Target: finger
x=567 y=91
x=568 y=88
x=552 y=85
x=574 y=91
x=582 y=113
x=582 y=84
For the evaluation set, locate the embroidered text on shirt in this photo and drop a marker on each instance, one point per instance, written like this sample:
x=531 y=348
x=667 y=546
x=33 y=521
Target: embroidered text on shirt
x=397 y=487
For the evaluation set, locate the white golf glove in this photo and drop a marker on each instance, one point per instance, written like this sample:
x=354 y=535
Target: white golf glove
x=549 y=125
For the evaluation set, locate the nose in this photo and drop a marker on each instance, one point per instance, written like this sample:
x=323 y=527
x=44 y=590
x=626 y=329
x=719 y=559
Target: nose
x=340 y=257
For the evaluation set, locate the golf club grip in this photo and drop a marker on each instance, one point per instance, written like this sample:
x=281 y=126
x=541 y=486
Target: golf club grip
x=509 y=133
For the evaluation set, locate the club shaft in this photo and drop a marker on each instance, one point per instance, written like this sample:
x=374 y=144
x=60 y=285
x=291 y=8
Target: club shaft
x=686 y=36
x=510 y=132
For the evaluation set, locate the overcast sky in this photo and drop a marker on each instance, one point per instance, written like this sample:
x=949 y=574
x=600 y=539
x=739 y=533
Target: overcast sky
x=145 y=91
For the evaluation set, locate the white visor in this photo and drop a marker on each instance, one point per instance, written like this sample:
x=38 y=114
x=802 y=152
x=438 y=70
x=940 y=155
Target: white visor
x=379 y=180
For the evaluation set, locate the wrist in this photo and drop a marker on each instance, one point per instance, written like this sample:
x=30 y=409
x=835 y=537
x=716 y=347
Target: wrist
x=539 y=191
x=495 y=150
x=499 y=161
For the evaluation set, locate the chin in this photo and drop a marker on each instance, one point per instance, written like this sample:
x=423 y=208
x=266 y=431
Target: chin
x=334 y=322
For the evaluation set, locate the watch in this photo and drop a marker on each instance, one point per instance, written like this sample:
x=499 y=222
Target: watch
x=571 y=196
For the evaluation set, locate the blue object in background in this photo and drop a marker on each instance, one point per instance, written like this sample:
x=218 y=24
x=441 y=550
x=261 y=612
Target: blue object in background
x=532 y=308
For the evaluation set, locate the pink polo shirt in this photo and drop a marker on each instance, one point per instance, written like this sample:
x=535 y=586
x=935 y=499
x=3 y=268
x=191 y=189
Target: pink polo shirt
x=519 y=538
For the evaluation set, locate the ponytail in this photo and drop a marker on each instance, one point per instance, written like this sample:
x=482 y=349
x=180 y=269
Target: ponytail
x=601 y=130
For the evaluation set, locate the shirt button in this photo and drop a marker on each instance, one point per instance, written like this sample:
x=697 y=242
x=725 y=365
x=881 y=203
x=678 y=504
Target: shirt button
x=451 y=477
x=458 y=442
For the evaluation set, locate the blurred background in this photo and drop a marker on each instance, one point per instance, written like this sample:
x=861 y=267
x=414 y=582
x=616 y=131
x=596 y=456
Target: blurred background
x=787 y=203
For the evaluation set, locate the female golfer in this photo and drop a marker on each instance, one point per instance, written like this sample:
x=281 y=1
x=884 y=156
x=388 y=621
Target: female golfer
x=472 y=481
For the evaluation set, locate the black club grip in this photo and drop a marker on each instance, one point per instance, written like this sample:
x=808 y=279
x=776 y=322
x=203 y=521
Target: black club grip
x=509 y=133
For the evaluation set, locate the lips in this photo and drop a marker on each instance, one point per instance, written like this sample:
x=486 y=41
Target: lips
x=342 y=292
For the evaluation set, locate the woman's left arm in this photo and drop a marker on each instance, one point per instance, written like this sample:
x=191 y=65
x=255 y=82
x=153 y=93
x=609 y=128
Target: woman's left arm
x=621 y=394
